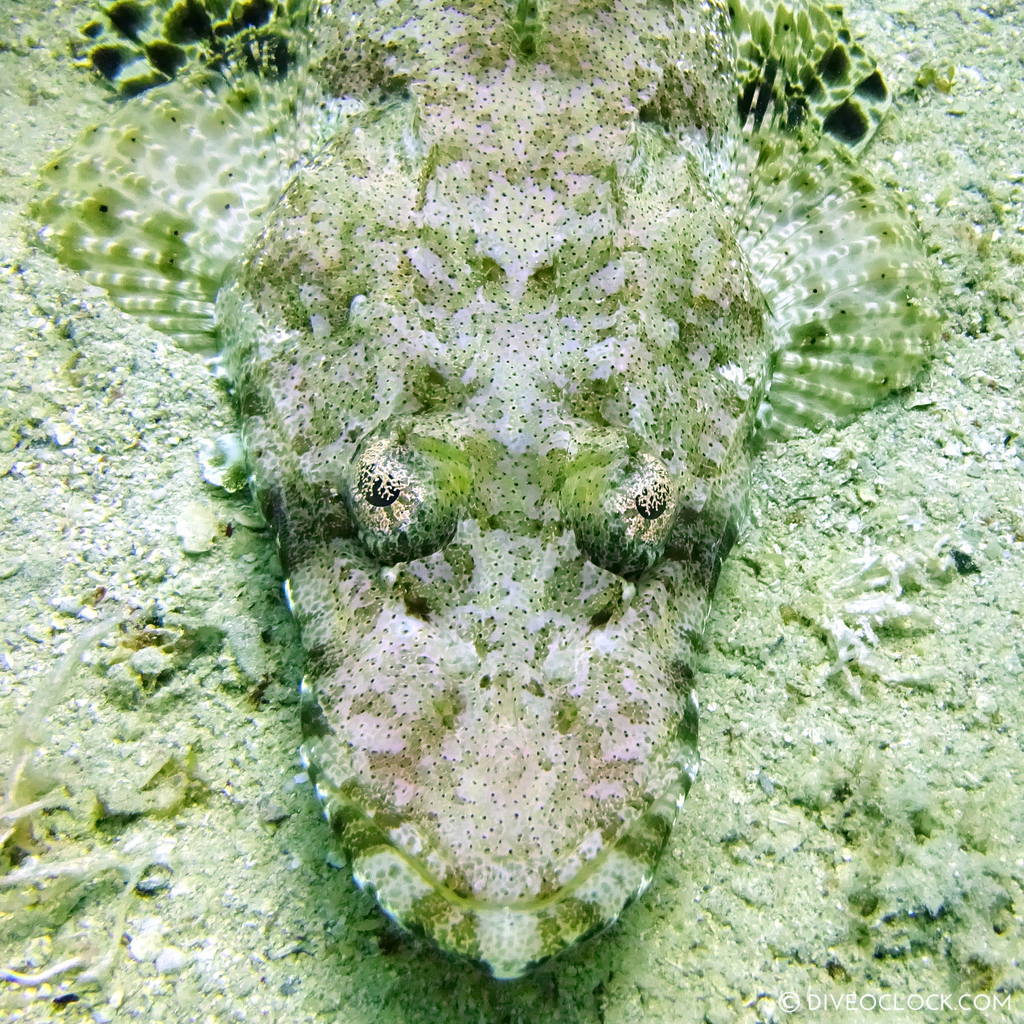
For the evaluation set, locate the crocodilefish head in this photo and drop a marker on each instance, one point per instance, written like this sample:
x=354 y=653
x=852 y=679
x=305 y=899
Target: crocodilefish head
x=498 y=712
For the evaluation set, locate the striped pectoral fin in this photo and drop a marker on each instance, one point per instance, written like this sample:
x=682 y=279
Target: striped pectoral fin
x=849 y=289
x=851 y=292
x=154 y=205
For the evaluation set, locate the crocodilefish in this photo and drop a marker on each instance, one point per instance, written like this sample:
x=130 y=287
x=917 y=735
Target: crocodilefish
x=507 y=294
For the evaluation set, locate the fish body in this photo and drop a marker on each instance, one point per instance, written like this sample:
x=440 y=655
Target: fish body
x=506 y=293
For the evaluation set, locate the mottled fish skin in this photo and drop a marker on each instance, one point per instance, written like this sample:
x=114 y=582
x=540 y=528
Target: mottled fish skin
x=501 y=349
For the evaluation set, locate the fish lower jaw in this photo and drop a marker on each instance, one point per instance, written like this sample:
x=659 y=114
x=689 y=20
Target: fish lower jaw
x=510 y=938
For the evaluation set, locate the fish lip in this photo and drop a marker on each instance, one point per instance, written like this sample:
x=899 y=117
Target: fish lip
x=508 y=939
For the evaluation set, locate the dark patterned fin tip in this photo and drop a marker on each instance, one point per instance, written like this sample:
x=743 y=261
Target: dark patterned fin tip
x=138 y=44
x=798 y=66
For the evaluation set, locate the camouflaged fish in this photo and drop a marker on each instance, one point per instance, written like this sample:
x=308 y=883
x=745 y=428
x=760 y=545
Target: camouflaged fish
x=507 y=292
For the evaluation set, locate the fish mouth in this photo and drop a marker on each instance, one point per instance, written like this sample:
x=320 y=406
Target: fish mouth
x=507 y=939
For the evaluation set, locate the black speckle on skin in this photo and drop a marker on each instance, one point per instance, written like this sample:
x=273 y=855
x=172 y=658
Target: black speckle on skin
x=166 y=57
x=128 y=17
x=188 y=22
x=847 y=123
x=107 y=60
x=965 y=565
x=873 y=88
x=835 y=65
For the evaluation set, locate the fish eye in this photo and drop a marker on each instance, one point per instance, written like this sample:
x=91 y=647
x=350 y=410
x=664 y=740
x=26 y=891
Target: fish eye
x=407 y=494
x=381 y=481
x=652 y=497
x=621 y=503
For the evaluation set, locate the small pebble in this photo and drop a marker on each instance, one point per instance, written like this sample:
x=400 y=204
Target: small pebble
x=170 y=960
x=197 y=527
x=156 y=878
x=965 y=565
x=151 y=662
x=270 y=811
x=61 y=434
x=146 y=944
x=222 y=462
